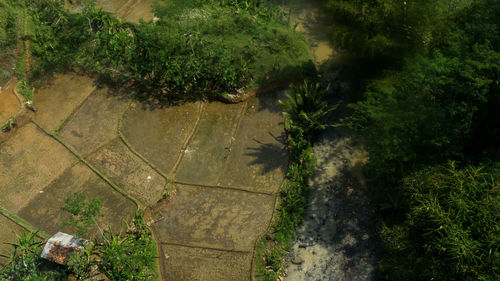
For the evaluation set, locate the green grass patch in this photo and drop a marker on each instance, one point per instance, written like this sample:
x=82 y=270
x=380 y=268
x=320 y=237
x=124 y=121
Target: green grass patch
x=11 y=32
x=26 y=90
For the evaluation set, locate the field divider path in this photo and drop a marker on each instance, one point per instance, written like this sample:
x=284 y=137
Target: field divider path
x=223 y=187
x=22 y=223
x=13 y=82
x=136 y=201
x=132 y=149
x=268 y=228
x=233 y=140
x=18 y=96
x=73 y=113
x=205 y=247
x=188 y=140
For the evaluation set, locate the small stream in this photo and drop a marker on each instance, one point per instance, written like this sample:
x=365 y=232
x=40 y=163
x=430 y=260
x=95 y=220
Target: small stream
x=337 y=239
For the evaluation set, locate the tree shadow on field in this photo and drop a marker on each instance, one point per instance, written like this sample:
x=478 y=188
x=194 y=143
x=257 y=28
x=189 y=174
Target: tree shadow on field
x=269 y=155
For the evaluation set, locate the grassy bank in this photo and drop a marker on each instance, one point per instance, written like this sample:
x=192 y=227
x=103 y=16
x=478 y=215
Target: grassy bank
x=11 y=33
x=195 y=48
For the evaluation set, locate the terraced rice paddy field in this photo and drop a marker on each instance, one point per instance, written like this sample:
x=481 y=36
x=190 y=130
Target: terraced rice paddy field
x=221 y=165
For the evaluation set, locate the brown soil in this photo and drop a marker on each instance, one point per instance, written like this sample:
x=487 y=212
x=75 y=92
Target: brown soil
x=58 y=98
x=9 y=104
x=259 y=157
x=163 y=139
x=8 y=230
x=111 y=6
x=28 y=162
x=44 y=211
x=140 y=9
x=95 y=123
x=214 y=218
x=129 y=172
x=197 y=264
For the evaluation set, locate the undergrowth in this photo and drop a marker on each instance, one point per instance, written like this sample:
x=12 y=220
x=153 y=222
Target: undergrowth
x=274 y=246
x=128 y=255
x=193 y=48
x=11 y=31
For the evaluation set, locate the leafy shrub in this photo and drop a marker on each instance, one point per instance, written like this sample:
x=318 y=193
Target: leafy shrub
x=305 y=111
x=130 y=256
x=26 y=90
x=306 y=107
x=451 y=231
x=207 y=49
x=10 y=25
x=83 y=214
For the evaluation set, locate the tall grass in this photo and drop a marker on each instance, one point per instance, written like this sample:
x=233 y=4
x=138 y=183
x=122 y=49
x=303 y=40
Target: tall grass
x=452 y=229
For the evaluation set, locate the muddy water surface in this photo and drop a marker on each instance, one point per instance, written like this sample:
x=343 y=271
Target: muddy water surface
x=309 y=20
x=221 y=164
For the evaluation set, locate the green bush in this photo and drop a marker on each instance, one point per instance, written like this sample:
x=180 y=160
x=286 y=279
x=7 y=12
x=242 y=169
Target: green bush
x=201 y=48
x=130 y=256
x=436 y=103
x=10 y=24
x=83 y=214
x=451 y=231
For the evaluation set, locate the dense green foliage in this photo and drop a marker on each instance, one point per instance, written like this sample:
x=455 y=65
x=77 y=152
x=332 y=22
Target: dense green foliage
x=437 y=102
x=11 y=28
x=130 y=255
x=9 y=23
x=273 y=247
x=389 y=27
x=306 y=106
x=452 y=221
x=193 y=47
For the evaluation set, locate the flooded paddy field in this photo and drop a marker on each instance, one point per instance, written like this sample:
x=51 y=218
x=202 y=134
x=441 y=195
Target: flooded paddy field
x=221 y=164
